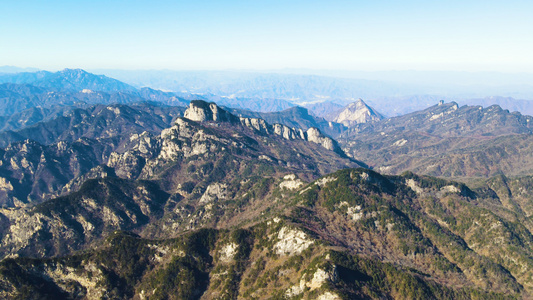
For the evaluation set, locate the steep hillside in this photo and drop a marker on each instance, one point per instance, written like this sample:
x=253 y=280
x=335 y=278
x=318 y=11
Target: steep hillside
x=33 y=115
x=99 y=121
x=348 y=235
x=130 y=140
x=446 y=140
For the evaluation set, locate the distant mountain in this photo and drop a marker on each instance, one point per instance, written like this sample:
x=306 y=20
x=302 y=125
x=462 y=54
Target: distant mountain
x=322 y=109
x=355 y=113
x=393 y=106
x=523 y=106
x=259 y=105
x=295 y=88
x=166 y=98
x=447 y=140
x=15 y=98
x=75 y=80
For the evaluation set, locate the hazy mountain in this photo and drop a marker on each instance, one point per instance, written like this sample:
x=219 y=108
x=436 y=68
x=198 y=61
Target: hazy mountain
x=523 y=106
x=166 y=98
x=400 y=105
x=397 y=106
x=355 y=113
x=258 y=105
x=446 y=140
x=67 y=80
x=16 y=98
x=391 y=93
x=255 y=91
x=290 y=87
x=322 y=109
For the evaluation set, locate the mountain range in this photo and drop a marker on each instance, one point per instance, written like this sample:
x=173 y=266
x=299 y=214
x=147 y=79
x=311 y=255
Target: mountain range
x=142 y=199
x=21 y=91
x=372 y=231
x=446 y=140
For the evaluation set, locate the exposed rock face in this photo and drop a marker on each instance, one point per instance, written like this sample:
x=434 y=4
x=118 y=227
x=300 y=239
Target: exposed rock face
x=202 y=111
x=357 y=112
x=291 y=182
x=228 y=252
x=292 y=241
x=214 y=192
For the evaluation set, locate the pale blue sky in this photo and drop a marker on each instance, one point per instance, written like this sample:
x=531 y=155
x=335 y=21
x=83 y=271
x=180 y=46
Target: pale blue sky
x=348 y=35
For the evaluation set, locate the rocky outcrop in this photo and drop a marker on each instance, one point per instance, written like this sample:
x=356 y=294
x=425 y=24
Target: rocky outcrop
x=201 y=111
x=357 y=112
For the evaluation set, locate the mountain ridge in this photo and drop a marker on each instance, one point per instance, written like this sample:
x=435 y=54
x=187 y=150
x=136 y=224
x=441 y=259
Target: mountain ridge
x=446 y=140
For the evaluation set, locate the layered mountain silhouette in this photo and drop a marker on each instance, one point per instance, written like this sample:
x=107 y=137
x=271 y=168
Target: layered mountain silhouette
x=44 y=90
x=75 y=80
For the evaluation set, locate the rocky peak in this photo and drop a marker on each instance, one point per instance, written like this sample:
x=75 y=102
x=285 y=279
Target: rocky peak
x=357 y=112
x=202 y=111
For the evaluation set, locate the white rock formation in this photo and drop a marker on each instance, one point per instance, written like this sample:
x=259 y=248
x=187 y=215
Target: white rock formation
x=290 y=182
x=215 y=191
x=357 y=112
x=227 y=253
x=292 y=241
